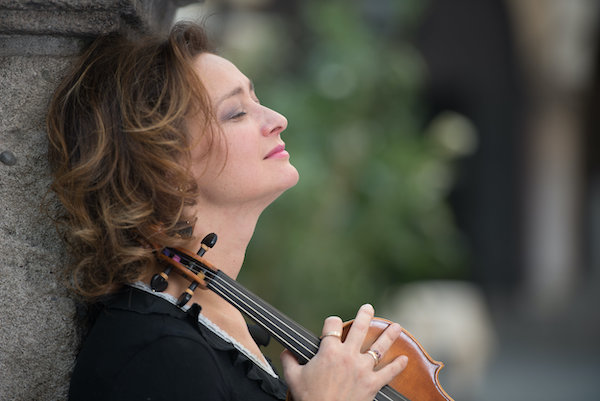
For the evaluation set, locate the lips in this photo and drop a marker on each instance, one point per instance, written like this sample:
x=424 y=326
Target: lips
x=277 y=152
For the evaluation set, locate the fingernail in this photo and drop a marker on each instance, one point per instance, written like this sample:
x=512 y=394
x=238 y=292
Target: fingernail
x=367 y=306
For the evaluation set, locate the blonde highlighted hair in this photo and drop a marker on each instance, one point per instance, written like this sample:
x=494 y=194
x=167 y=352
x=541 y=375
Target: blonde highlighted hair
x=120 y=154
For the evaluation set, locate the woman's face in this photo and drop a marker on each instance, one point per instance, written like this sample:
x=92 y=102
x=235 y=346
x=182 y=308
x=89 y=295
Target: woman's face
x=249 y=163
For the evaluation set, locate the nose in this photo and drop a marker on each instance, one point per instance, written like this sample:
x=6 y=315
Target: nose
x=274 y=123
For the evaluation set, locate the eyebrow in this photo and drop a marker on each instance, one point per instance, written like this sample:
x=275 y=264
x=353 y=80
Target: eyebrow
x=234 y=92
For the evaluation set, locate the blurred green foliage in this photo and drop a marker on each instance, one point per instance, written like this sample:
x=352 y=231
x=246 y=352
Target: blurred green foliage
x=369 y=212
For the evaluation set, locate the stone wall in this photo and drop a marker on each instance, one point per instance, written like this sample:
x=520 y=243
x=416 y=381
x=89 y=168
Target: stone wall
x=38 y=40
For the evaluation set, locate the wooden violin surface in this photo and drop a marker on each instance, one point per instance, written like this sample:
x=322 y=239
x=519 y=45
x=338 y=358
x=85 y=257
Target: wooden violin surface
x=419 y=380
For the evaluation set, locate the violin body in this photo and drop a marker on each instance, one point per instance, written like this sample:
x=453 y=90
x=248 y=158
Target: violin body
x=419 y=380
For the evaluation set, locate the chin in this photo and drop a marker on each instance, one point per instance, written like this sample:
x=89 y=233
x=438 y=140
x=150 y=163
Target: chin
x=294 y=177
x=291 y=179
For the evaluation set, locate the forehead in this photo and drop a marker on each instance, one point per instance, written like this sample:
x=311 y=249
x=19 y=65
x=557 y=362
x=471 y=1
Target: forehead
x=218 y=74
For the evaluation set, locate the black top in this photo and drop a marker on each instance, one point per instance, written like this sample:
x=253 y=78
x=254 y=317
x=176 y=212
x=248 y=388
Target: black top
x=142 y=347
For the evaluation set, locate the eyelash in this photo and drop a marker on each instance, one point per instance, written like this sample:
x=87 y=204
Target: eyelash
x=237 y=116
x=241 y=114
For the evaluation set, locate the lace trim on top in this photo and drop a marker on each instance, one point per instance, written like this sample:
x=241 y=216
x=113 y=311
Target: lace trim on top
x=211 y=326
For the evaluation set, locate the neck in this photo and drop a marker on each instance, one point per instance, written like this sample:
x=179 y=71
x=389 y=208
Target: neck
x=234 y=230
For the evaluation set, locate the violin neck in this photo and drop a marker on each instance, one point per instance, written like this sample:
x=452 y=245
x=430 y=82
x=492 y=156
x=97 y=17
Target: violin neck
x=301 y=342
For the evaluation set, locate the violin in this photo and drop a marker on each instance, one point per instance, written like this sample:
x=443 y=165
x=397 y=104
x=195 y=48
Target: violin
x=417 y=382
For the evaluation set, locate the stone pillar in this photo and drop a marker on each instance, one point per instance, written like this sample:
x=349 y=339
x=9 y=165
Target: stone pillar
x=38 y=40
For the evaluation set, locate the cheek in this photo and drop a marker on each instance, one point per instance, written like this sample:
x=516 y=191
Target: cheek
x=240 y=164
x=228 y=163
x=241 y=149
x=209 y=153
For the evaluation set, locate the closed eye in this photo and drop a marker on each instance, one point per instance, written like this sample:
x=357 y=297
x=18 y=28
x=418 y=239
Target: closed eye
x=237 y=116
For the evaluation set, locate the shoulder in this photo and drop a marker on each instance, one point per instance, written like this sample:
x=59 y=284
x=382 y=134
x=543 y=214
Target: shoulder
x=133 y=319
x=141 y=344
x=172 y=368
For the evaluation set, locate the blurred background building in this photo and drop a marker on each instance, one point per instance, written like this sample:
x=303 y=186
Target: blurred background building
x=449 y=175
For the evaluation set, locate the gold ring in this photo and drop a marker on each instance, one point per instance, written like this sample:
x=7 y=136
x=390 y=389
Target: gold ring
x=332 y=334
x=375 y=354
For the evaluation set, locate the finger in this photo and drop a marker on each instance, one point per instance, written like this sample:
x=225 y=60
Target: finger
x=290 y=365
x=360 y=326
x=386 y=339
x=332 y=329
x=392 y=369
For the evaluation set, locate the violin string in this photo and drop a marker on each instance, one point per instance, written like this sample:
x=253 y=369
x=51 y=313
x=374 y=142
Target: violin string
x=250 y=297
x=252 y=310
x=281 y=339
x=231 y=286
x=389 y=393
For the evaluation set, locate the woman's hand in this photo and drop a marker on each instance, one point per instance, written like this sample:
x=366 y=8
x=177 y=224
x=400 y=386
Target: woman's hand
x=340 y=371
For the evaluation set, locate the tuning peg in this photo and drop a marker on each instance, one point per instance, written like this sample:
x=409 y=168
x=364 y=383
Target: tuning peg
x=159 y=281
x=185 y=297
x=207 y=242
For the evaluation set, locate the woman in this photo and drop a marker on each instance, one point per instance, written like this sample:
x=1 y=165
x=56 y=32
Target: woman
x=160 y=142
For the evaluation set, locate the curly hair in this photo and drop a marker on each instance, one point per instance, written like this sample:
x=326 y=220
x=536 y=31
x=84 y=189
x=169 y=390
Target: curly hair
x=119 y=154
